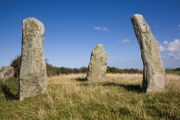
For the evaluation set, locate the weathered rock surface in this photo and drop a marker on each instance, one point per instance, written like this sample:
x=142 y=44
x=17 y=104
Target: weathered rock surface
x=153 y=72
x=33 y=77
x=98 y=64
x=6 y=72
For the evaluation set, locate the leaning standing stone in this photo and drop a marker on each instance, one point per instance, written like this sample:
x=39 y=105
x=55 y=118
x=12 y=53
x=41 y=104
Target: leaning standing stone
x=153 y=72
x=98 y=64
x=33 y=77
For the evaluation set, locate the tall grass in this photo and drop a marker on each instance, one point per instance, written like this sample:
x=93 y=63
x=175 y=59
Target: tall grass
x=118 y=96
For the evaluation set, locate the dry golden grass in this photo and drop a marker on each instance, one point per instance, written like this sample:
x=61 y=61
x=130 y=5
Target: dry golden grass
x=172 y=79
x=118 y=96
x=130 y=78
x=64 y=78
x=122 y=92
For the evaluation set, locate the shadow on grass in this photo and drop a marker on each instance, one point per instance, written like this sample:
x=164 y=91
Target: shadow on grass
x=85 y=84
x=84 y=80
x=81 y=79
x=8 y=94
x=131 y=87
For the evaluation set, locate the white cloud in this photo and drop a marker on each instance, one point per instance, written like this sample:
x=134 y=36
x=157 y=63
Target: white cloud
x=101 y=28
x=97 y=28
x=176 y=28
x=173 y=56
x=125 y=41
x=161 y=48
x=105 y=29
x=157 y=26
x=165 y=42
x=173 y=46
x=157 y=37
x=173 y=49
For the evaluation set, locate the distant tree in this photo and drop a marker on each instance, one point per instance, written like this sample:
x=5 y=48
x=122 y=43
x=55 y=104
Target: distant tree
x=75 y=70
x=117 y=70
x=83 y=70
x=64 y=70
x=16 y=64
x=177 y=69
x=113 y=70
x=52 y=70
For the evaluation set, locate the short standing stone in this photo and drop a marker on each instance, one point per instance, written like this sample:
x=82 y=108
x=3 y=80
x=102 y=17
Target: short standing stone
x=153 y=72
x=33 y=77
x=98 y=64
x=6 y=73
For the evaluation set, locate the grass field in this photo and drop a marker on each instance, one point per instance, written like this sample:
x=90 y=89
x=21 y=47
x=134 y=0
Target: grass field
x=118 y=96
x=172 y=72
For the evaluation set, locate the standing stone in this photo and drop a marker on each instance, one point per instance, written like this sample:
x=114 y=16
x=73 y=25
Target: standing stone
x=33 y=77
x=153 y=72
x=6 y=72
x=98 y=64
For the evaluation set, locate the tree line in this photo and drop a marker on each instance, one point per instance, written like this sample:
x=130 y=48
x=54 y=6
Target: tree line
x=53 y=70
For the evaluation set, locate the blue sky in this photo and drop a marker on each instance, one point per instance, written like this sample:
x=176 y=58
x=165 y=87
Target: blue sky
x=74 y=27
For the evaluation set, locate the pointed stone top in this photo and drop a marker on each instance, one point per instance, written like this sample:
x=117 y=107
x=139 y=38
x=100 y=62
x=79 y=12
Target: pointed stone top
x=137 y=15
x=32 y=19
x=139 y=20
x=33 y=24
x=99 y=47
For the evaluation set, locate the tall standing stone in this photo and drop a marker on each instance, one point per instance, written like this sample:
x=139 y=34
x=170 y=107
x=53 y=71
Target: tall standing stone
x=33 y=77
x=153 y=72
x=98 y=64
